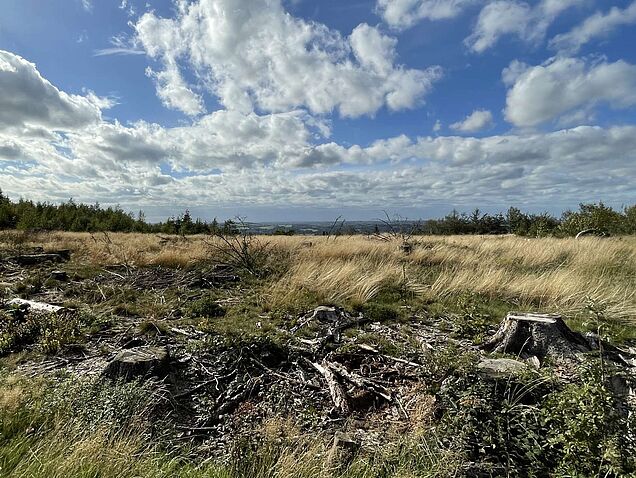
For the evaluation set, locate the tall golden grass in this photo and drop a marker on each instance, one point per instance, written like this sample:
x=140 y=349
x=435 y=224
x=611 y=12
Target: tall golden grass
x=561 y=274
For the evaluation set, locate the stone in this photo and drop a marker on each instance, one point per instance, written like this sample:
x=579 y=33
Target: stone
x=501 y=367
x=59 y=275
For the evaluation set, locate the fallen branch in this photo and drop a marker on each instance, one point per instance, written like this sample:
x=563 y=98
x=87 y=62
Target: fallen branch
x=338 y=395
x=39 y=307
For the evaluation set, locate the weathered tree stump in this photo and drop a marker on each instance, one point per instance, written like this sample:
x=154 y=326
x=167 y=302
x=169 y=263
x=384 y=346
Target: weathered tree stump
x=537 y=335
x=139 y=362
x=59 y=275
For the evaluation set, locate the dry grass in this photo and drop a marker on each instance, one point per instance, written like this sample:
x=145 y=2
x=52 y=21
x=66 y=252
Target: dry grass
x=562 y=274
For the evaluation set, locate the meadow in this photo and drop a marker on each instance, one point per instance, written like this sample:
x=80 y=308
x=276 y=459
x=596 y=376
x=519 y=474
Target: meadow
x=562 y=275
x=416 y=320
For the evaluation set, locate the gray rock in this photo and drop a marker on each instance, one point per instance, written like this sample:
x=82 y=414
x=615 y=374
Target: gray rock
x=501 y=367
x=59 y=275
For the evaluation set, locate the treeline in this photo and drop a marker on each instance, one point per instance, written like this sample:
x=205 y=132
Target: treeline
x=595 y=218
x=71 y=216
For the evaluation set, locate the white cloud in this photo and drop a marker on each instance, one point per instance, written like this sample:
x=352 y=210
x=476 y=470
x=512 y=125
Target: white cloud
x=174 y=92
x=476 y=121
x=232 y=159
x=598 y=25
x=563 y=85
x=87 y=5
x=401 y=14
x=493 y=170
x=254 y=55
x=28 y=100
x=120 y=45
x=372 y=49
x=512 y=17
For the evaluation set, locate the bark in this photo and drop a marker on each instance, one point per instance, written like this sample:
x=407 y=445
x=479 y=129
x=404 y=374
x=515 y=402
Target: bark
x=537 y=335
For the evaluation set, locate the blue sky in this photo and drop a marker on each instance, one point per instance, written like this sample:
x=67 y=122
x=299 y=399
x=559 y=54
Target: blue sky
x=301 y=110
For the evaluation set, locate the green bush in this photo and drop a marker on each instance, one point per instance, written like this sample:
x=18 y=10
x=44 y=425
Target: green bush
x=588 y=430
x=530 y=425
x=379 y=312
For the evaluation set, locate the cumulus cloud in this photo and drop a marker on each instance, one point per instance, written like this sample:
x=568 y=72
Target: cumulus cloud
x=256 y=56
x=476 y=121
x=563 y=85
x=174 y=91
x=512 y=17
x=598 y=25
x=234 y=159
x=401 y=14
x=496 y=169
x=28 y=100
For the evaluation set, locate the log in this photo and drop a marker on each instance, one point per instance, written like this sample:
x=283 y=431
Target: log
x=37 y=307
x=62 y=255
x=540 y=335
x=591 y=232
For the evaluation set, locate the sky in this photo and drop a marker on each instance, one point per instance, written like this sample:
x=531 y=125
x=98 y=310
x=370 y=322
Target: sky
x=298 y=110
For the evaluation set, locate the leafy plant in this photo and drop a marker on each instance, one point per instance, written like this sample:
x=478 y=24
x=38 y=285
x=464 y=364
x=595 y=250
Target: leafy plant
x=50 y=332
x=588 y=432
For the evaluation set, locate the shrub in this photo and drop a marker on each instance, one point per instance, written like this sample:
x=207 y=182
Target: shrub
x=50 y=332
x=587 y=430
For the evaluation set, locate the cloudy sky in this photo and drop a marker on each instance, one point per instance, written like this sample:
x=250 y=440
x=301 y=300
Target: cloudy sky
x=299 y=109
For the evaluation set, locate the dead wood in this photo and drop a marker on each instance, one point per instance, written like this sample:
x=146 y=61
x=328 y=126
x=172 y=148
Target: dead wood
x=539 y=335
x=139 y=362
x=338 y=395
x=359 y=381
x=35 y=259
x=36 y=307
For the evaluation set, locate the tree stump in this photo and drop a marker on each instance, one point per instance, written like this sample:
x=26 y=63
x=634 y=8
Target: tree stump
x=139 y=362
x=537 y=335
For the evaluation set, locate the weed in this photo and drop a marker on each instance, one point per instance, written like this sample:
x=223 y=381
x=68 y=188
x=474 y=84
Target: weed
x=206 y=307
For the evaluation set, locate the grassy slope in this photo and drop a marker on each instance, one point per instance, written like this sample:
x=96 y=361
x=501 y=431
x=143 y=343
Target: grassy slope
x=471 y=280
